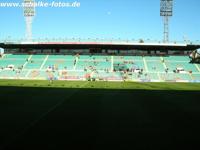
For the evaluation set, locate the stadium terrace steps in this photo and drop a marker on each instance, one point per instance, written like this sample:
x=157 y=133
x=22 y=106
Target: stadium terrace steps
x=115 y=68
x=198 y=67
x=196 y=76
x=155 y=66
x=177 y=58
x=187 y=67
x=9 y=74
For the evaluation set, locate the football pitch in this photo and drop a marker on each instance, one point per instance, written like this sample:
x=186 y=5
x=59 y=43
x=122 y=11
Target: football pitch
x=98 y=115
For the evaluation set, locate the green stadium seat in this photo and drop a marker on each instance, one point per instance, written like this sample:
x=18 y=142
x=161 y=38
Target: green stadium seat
x=99 y=67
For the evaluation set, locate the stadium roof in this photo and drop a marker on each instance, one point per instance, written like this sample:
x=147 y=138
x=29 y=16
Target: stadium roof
x=100 y=45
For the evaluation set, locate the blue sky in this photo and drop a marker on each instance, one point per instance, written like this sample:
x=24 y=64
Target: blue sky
x=125 y=19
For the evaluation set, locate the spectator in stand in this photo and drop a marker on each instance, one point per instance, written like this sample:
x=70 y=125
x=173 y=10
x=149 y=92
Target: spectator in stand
x=154 y=68
x=77 y=55
x=166 y=71
x=74 y=62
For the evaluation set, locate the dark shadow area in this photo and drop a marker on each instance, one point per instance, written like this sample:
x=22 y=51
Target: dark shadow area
x=52 y=118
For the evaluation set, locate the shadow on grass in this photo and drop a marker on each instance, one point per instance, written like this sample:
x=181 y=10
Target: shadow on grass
x=52 y=118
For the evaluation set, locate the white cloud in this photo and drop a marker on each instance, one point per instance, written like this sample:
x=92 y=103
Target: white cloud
x=108 y=13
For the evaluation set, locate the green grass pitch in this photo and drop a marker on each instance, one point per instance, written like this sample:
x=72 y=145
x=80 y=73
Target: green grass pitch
x=102 y=85
x=98 y=115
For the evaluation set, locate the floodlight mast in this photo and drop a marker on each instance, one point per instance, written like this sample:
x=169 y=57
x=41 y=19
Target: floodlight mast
x=166 y=11
x=29 y=13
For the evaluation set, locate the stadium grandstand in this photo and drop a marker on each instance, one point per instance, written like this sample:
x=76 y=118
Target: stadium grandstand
x=100 y=61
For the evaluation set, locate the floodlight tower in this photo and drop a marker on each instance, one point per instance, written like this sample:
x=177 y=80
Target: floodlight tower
x=29 y=13
x=166 y=11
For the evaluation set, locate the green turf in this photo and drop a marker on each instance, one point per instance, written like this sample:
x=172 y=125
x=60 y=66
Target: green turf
x=101 y=85
x=98 y=115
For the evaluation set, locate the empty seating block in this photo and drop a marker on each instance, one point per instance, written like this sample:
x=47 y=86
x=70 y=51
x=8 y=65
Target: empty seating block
x=153 y=76
x=167 y=76
x=22 y=57
x=196 y=77
x=155 y=66
x=186 y=66
x=34 y=64
x=13 y=74
x=59 y=62
x=175 y=76
x=180 y=76
x=177 y=58
x=152 y=58
x=139 y=64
